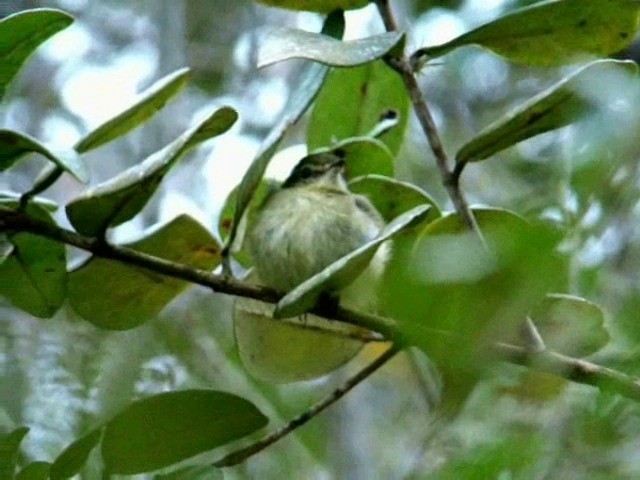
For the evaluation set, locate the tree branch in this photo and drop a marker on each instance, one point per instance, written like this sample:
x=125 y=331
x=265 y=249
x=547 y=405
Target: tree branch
x=234 y=458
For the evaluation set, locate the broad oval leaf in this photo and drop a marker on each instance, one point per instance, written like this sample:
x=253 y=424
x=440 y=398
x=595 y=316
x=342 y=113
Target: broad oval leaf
x=122 y=197
x=277 y=351
x=73 y=458
x=322 y=6
x=33 y=277
x=14 y=145
x=288 y=43
x=392 y=197
x=170 y=427
x=341 y=272
x=148 y=104
x=554 y=32
x=306 y=88
x=571 y=325
x=353 y=100
x=363 y=156
x=559 y=105
x=21 y=34
x=35 y=471
x=116 y=296
x=9 y=448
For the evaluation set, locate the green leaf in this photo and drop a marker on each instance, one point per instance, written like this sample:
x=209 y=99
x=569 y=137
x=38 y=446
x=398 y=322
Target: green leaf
x=306 y=88
x=392 y=197
x=14 y=145
x=9 y=448
x=363 y=156
x=322 y=6
x=122 y=197
x=559 y=105
x=353 y=100
x=288 y=43
x=21 y=34
x=571 y=325
x=277 y=351
x=343 y=271
x=35 y=471
x=193 y=473
x=33 y=277
x=170 y=427
x=555 y=32
x=73 y=458
x=116 y=296
x=148 y=104
x=12 y=199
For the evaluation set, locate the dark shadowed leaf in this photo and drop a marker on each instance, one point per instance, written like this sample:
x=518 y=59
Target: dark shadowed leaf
x=392 y=197
x=164 y=429
x=148 y=104
x=121 y=198
x=571 y=325
x=21 y=34
x=341 y=272
x=554 y=32
x=73 y=458
x=322 y=6
x=15 y=145
x=307 y=86
x=9 y=448
x=116 y=296
x=560 y=105
x=34 y=275
x=288 y=43
x=193 y=473
x=35 y=471
x=353 y=100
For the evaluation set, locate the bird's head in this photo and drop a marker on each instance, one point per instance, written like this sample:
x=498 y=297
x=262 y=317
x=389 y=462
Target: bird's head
x=324 y=169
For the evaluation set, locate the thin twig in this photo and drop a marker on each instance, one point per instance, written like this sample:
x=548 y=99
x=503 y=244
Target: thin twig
x=234 y=458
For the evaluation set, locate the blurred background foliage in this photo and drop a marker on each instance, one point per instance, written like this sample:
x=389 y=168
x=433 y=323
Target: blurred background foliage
x=61 y=376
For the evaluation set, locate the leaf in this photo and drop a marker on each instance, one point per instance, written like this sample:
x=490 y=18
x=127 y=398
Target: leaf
x=122 y=197
x=392 y=197
x=12 y=199
x=116 y=296
x=73 y=458
x=33 y=277
x=14 y=145
x=9 y=448
x=21 y=34
x=353 y=100
x=363 y=156
x=148 y=104
x=555 y=32
x=167 y=428
x=307 y=86
x=559 y=105
x=193 y=473
x=322 y=6
x=289 y=43
x=35 y=471
x=571 y=325
x=342 y=271
x=277 y=351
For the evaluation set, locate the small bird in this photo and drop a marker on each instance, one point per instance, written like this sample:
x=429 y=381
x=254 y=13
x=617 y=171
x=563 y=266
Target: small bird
x=309 y=223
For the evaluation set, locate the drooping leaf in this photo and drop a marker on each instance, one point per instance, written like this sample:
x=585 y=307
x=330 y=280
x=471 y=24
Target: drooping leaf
x=33 y=277
x=9 y=448
x=35 y=471
x=73 y=458
x=288 y=43
x=353 y=100
x=21 y=34
x=554 y=32
x=559 y=105
x=15 y=145
x=164 y=429
x=148 y=104
x=193 y=473
x=392 y=197
x=363 y=156
x=122 y=197
x=571 y=325
x=343 y=271
x=116 y=296
x=322 y=6
x=307 y=85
